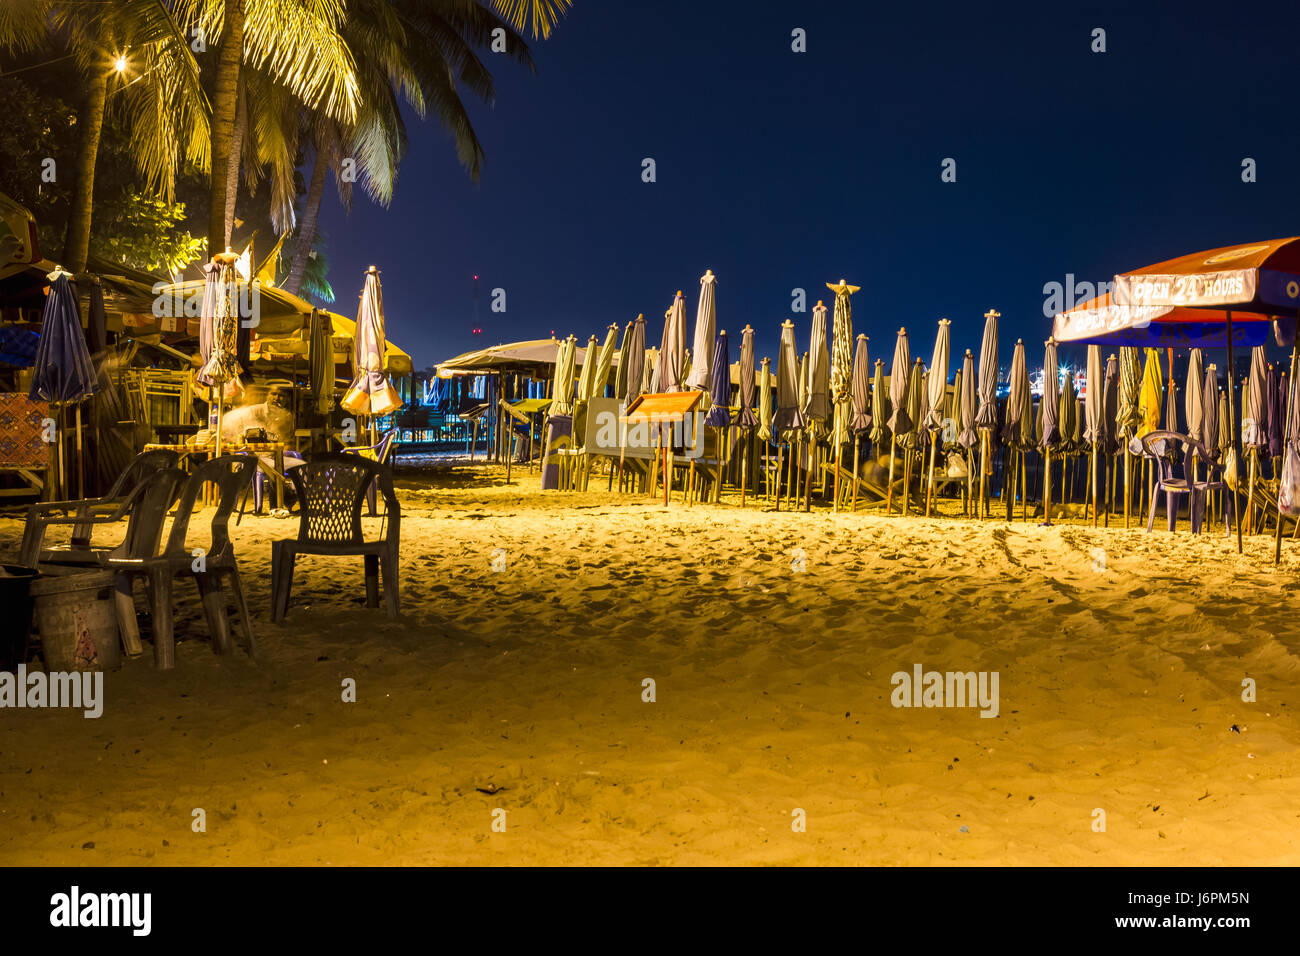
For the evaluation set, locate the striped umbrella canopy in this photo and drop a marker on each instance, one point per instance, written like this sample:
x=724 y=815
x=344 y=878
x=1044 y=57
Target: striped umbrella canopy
x=371 y=393
x=746 y=418
x=320 y=359
x=899 y=424
x=1050 y=403
x=765 y=402
x=817 y=406
x=604 y=361
x=1210 y=410
x=1018 y=396
x=62 y=370
x=841 y=382
x=1276 y=411
x=219 y=331
x=914 y=402
x=1151 y=396
x=719 y=414
x=1127 y=417
x=787 y=416
x=987 y=416
x=672 y=350
x=706 y=320
x=562 y=393
x=1110 y=405
x=937 y=385
x=1093 y=397
x=861 y=390
x=636 y=363
x=1254 y=416
x=968 y=420
x=879 y=405
x=620 y=374
x=1193 y=393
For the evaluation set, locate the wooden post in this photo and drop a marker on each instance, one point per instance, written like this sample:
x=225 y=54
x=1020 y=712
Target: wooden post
x=857 y=439
x=889 y=492
x=1287 y=438
x=983 y=506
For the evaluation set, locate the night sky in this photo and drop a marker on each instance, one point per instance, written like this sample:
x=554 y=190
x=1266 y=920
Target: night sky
x=780 y=170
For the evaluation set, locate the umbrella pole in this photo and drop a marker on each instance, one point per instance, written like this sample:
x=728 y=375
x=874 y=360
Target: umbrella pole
x=1024 y=487
x=1232 y=428
x=1251 y=470
x=889 y=494
x=744 y=471
x=839 y=461
x=982 y=507
x=1047 y=485
x=929 y=492
x=1093 y=475
x=1286 y=443
x=780 y=455
x=1128 y=484
x=856 y=441
x=808 y=476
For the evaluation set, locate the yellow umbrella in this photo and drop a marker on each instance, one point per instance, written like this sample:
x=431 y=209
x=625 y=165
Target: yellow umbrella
x=1151 y=396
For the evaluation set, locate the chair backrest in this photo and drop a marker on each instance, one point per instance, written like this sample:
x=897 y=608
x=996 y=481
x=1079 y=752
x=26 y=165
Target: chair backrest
x=152 y=498
x=331 y=490
x=141 y=467
x=231 y=474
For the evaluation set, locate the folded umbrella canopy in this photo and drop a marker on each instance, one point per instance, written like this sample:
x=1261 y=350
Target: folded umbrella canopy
x=672 y=350
x=1151 y=396
x=746 y=417
x=370 y=392
x=604 y=362
x=817 y=407
x=562 y=393
x=879 y=406
x=1254 y=419
x=706 y=317
x=899 y=423
x=765 y=402
x=636 y=363
x=218 y=329
x=968 y=420
x=719 y=414
x=1051 y=396
x=62 y=372
x=1092 y=398
x=1276 y=392
x=320 y=359
x=620 y=374
x=1018 y=397
x=937 y=384
x=861 y=389
x=987 y=415
x=788 y=416
x=1210 y=411
x=650 y=383
x=587 y=376
x=1193 y=394
x=841 y=381
x=1128 y=418
x=915 y=405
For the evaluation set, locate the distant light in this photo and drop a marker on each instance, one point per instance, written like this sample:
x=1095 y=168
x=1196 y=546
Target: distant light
x=476 y=278
x=120 y=64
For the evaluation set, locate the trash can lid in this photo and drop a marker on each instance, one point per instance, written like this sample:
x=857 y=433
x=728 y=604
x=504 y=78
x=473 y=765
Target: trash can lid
x=66 y=582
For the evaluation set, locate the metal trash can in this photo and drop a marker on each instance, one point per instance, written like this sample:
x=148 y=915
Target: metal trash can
x=77 y=620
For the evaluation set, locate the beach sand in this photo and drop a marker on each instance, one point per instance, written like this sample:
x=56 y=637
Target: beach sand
x=771 y=640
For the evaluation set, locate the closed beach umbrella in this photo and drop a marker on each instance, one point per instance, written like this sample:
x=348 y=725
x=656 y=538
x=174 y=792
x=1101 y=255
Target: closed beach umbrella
x=968 y=419
x=320 y=359
x=1151 y=397
x=62 y=371
x=620 y=374
x=219 y=331
x=1276 y=411
x=765 y=402
x=861 y=390
x=1128 y=417
x=587 y=376
x=1254 y=421
x=719 y=415
x=1210 y=411
x=879 y=406
x=899 y=423
x=636 y=364
x=1067 y=418
x=1017 y=396
x=937 y=384
x=651 y=371
x=1110 y=405
x=672 y=350
x=1093 y=397
x=562 y=395
x=987 y=415
x=604 y=361
x=787 y=416
x=842 y=348
x=1193 y=394
x=1225 y=425
x=914 y=405
x=370 y=393
x=817 y=408
x=746 y=418
x=706 y=319
x=1050 y=401
x=1171 y=407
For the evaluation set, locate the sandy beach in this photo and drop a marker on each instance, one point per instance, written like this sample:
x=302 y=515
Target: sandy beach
x=514 y=681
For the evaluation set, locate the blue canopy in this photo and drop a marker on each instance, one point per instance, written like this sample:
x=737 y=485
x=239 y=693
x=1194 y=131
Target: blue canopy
x=62 y=371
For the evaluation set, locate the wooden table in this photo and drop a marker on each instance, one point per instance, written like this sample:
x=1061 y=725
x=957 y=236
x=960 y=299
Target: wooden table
x=256 y=448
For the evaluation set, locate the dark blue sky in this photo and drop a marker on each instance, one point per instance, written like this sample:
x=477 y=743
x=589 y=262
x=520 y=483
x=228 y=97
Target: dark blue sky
x=780 y=170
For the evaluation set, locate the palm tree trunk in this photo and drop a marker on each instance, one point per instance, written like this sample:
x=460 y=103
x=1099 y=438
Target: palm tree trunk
x=236 y=152
x=76 y=241
x=224 y=102
x=307 y=228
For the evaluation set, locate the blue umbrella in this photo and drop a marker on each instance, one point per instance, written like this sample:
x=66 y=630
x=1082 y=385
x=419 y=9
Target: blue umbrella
x=63 y=373
x=719 y=415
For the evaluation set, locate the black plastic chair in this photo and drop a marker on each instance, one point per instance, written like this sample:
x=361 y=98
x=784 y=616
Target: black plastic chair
x=232 y=475
x=88 y=514
x=331 y=491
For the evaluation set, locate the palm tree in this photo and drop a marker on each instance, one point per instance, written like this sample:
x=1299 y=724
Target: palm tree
x=131 y=47
x=420 y=51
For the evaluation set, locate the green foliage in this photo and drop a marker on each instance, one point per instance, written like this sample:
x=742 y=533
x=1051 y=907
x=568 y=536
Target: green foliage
x=144 y=233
